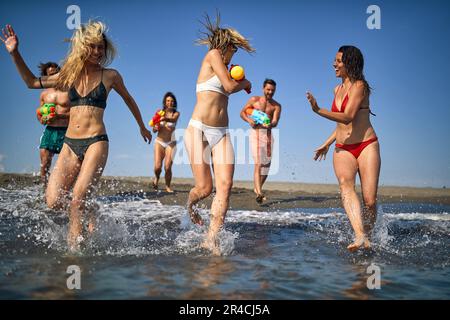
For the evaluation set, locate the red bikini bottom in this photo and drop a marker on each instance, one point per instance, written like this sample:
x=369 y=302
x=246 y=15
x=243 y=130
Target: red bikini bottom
x=356 y=148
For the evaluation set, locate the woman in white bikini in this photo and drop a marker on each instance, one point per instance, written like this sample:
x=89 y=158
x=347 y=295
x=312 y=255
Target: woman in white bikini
x=207 y=133
x=165 y=143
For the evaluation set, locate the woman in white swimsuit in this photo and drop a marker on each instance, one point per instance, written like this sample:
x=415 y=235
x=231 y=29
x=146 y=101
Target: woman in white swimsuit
x=207 y=133
x=165 y=145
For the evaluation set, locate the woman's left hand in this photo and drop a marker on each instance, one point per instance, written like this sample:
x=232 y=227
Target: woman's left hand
x=312 y=101
x=321 y=152
x=146 y=135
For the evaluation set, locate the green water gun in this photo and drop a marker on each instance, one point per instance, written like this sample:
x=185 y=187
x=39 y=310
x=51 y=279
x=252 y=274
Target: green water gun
x=46 y=112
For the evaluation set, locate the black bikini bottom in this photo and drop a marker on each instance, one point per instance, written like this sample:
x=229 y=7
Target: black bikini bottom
x=80 y=146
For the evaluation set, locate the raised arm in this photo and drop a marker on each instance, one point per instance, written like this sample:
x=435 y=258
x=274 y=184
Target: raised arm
x=356 y=97
x=11 y=42
x=229 y=84
x=119 y=87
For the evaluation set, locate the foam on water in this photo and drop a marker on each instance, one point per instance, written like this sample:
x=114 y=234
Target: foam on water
x=124 y=226
x=144 y=249
x=132 y=225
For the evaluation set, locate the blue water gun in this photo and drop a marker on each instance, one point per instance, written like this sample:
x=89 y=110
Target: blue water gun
x=258 y=116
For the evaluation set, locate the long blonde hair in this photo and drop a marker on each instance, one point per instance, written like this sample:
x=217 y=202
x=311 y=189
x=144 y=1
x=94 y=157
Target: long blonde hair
x=216 y=37
x=90 y=33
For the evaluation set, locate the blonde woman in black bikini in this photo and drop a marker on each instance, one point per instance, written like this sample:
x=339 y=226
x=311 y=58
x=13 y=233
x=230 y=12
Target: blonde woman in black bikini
x=85 y=150
x=357 y=148
x=165 y=143
x=207 y=133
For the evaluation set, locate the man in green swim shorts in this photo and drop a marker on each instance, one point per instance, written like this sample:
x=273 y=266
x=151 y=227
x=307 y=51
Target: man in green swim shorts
x=53 y=137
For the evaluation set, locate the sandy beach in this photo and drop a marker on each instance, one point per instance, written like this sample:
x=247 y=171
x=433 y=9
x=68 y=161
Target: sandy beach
x=280 y=195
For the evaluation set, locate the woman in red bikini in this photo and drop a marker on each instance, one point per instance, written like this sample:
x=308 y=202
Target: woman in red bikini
x=357 y=148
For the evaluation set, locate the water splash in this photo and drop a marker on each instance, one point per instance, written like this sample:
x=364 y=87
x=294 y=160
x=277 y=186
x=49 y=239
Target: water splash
x=131 y=225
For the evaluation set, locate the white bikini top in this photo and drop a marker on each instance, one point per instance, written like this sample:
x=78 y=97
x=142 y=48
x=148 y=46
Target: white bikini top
x=212 y=84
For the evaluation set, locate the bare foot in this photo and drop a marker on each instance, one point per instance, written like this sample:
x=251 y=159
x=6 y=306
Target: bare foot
x=211 y=245
x=155 y=184
x=360 y=243
x=259 y=198
x=73 y=242
x=194 y=215
x=259 y=195
x=168 y=189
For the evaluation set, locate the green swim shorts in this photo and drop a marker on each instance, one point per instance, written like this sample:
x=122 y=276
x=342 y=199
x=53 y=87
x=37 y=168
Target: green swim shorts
x=53 y=138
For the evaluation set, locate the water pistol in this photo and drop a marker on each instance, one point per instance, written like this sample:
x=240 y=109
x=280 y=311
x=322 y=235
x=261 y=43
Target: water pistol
x=156 y=118
x=258 y=116
x=46 y=112
x=238 y=74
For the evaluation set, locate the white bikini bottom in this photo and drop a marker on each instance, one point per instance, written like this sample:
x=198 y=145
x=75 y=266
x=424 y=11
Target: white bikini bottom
x=165 y=144
x=212 y=134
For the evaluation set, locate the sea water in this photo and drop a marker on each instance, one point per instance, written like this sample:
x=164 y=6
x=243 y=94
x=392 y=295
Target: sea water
x=142 y=249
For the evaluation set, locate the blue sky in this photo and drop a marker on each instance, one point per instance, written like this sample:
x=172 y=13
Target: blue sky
x=296 y=41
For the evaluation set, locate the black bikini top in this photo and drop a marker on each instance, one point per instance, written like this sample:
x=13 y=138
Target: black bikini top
x=95 y=98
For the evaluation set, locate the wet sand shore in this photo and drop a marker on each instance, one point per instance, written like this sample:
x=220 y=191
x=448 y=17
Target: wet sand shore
x=280 y=195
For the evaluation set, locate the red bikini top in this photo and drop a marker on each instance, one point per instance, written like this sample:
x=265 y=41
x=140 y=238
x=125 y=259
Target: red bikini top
x=344 y=102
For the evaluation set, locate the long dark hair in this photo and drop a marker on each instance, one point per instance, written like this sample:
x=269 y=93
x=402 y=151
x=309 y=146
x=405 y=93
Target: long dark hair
x=169 y=94
x=44 y=66
x=354 y=64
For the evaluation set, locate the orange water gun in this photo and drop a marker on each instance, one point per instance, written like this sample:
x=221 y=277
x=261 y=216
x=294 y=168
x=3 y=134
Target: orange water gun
x=238 y=74
x=157 y=118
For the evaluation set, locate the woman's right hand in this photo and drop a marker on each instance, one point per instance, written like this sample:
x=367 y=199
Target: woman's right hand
x=321 y=152
x=10 y=39
x=312 y=101
x=146 y=135
x=248 y=89
x=247 y=85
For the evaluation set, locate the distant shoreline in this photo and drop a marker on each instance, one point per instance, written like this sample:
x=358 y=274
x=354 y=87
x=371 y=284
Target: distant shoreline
x=280 y=195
